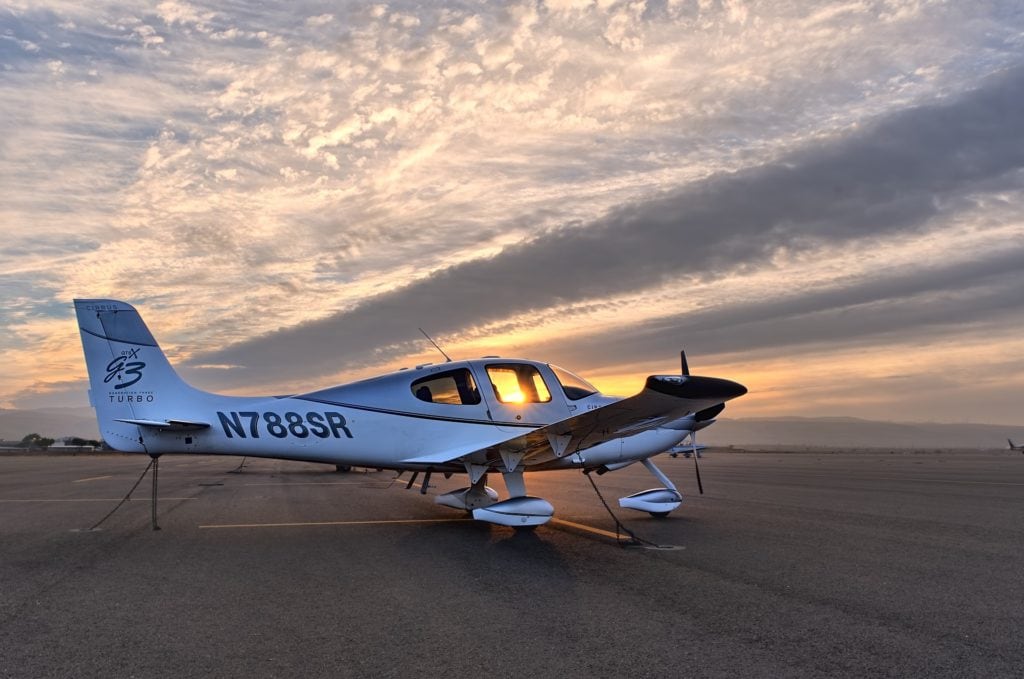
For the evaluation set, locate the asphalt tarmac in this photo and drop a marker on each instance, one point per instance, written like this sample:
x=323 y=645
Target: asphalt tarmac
x=790 y=565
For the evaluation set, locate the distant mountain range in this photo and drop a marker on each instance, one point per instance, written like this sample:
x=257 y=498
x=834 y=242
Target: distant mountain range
x=852 y=432
x=55 y=423
x=751 y=432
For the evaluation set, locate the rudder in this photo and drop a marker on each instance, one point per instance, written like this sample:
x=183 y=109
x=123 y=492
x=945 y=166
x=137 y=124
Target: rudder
x=130 y=378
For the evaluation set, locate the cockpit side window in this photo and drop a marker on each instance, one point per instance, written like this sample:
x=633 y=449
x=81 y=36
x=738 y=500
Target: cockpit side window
x=454 y=387
x=574 y=386
x=518 y=383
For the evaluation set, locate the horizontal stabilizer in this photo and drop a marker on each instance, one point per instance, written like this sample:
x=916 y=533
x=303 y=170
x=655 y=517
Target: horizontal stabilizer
x=170 y=425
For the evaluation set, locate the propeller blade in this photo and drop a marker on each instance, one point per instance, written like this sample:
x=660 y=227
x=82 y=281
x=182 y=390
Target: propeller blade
x=682 y=360
x=696 y=467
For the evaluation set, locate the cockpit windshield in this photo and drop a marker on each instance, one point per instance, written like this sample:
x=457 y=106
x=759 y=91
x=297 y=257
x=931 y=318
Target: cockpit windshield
x=574 y=386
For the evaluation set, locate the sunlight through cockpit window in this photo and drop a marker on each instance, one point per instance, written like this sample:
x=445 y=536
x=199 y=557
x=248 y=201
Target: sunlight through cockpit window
x=518 y=383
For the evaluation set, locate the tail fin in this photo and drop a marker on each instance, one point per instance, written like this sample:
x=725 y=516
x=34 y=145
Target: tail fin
x=1012 y=447
x=129 y=376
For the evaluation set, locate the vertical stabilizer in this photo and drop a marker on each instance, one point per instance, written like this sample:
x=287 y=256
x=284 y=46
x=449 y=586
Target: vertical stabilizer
x=129 y=376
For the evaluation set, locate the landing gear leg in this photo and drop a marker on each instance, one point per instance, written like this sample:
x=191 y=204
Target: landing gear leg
x=156 y=475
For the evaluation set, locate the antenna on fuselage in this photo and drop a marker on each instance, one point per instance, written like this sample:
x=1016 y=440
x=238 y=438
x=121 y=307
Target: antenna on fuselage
x=447 y=358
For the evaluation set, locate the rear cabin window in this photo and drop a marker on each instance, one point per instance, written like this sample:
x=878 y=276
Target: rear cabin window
x=455 y=387
x=518 y=383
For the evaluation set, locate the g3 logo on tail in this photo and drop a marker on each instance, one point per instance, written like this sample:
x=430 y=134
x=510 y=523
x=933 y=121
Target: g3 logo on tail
x=127 y=372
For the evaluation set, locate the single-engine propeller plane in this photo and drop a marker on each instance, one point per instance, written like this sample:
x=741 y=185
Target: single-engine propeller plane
x=473 y=417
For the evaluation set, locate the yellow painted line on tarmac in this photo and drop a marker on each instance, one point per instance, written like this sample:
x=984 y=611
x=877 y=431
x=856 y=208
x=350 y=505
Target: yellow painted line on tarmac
x=334 y=523
x=93 y=499
x=92 y=478
x=588 y=529
x=317 y=483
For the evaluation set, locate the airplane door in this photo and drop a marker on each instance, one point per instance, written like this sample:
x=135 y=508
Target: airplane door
x=520 y=395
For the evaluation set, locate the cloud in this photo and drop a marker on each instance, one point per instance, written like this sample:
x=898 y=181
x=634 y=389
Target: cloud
x=243 y=169
x=892 y=176
x=936 y=299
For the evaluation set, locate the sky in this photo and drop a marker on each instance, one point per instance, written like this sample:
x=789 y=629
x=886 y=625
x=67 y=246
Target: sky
x=819 y=200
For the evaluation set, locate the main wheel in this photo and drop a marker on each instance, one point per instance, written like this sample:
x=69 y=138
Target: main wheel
x=342 y=468
x=659 y=515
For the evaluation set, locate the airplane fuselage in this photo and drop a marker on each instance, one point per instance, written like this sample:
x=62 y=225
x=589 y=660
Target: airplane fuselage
x=379 y=422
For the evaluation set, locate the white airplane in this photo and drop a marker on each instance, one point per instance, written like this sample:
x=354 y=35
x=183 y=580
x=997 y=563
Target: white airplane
x=481 y=416
x=687 y=450
x=702 y=420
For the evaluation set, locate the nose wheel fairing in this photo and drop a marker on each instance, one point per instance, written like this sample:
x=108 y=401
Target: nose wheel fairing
x=656 y=501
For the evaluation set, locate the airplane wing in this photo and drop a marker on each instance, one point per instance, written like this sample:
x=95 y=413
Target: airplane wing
x=665 y=398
